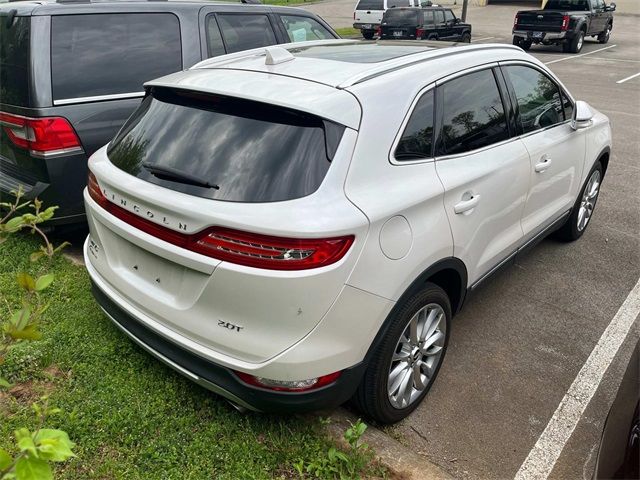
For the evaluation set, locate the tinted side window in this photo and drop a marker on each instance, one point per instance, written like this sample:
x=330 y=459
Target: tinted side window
x=428 y=18
x=538 y=98
x=473 y=115
x=245 y=31
x=448 y=16
x=370 y=5
x=214 y=39
x=439 y=14
x=105 y=54
x=301 y=29
x=14 y=61
x=417 y=138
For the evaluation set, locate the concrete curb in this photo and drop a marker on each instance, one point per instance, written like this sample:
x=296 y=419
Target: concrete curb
x=402 y=462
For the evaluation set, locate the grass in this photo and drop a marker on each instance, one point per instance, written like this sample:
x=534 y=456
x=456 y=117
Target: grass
x=132 y=417
x=347 y=32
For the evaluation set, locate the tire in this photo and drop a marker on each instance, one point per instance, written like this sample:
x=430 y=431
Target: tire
x=466 y=37
x=523 y=44
x=433 y=36
x=368 y=34
x=577 y=224
x=604 y=36
x=428 y=307
x=577 y=42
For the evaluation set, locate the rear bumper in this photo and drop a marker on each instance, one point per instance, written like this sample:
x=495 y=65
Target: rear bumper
x=545 y=36
x=59 y=182
x=366 y=26
x=222 y=380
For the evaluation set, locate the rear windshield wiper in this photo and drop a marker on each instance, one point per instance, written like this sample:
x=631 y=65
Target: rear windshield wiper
x=174 y=175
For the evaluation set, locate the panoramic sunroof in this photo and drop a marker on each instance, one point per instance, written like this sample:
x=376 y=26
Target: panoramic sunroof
x=358 y=52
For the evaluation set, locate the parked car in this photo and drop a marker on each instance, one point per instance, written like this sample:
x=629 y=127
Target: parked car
x=72 y=73
x=619 y=452
x=564 y=22
x=368 y=14
x=290 y=252
x=423 y=23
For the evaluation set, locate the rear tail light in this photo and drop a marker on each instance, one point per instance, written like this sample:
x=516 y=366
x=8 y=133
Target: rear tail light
x=289 y=386
x=419 y=32
x=565 y=23
x=515 y=21
x=43 y=137
x=354 y=15
x=243 y=248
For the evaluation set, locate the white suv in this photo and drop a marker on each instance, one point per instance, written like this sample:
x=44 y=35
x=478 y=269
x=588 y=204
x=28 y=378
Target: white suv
x=283 y=228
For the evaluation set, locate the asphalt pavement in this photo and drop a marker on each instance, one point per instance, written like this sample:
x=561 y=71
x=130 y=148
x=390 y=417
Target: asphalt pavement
x=518 y=345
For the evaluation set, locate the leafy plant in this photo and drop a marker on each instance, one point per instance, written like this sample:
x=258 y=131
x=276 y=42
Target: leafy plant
x=35 y=449
x=338 y=464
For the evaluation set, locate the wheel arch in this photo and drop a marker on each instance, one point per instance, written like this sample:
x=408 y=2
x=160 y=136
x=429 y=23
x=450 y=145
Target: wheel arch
x=603 y=158
x=450 y=274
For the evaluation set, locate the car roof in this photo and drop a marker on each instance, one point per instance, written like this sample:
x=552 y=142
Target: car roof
x=54 y=7
x=319 y=76
x=342 y=63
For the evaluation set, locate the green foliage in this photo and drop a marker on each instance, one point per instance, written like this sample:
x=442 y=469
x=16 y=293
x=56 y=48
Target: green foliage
x=34 y=449
x=354 y=463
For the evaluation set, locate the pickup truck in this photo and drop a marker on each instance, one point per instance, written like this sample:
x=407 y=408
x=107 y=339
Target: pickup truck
x=564 y=22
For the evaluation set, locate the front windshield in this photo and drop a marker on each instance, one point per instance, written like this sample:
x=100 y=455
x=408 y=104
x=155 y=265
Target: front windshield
x=575 y=5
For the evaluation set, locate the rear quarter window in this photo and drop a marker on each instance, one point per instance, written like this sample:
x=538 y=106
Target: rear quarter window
x=14 y=61
x=246 y=151
x=106 y=54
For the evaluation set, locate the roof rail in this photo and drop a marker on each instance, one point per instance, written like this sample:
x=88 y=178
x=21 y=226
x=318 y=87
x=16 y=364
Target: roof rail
x=411 y=60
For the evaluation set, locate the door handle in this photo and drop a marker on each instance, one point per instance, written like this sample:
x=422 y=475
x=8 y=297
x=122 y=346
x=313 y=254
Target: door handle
x=466 y=205
x=545 y=162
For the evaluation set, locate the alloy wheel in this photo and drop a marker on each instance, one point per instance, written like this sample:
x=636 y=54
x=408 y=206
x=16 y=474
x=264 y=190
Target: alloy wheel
x=588 y=202
x=417 y=355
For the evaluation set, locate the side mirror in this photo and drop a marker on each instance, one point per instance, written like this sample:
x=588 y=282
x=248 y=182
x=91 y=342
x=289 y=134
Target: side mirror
x=611 y=7
x=582 y=115
x=457 y=21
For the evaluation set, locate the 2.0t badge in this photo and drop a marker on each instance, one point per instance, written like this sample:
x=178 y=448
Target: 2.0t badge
x=229 y=326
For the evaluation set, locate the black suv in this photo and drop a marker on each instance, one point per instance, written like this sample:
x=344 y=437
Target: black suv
x=71 y=73
x=429 y=23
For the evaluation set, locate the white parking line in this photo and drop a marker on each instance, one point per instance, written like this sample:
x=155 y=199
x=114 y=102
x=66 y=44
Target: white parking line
x=481 y=39
x=578 y=56
x=628 y=78
x=542 y=458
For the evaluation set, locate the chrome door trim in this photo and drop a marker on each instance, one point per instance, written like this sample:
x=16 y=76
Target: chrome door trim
x=98 y=98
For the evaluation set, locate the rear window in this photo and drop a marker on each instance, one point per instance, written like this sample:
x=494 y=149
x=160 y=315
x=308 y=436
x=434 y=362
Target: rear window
x=398 y=3
x=568 y=5
x=14 y=61
x=370 y=5
x=402 y=16
x=106 y=54
x=225 y=148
